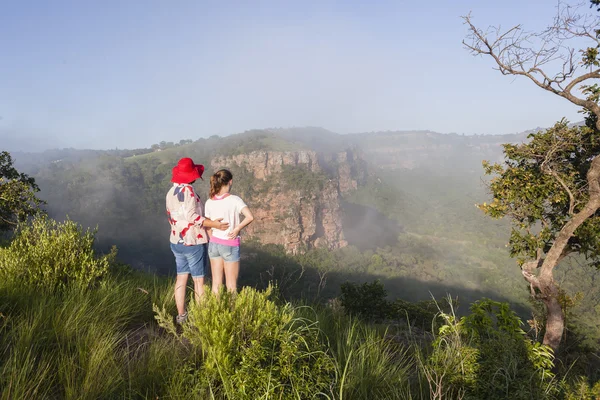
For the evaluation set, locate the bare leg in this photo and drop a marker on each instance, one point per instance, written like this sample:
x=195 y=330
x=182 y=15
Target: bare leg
x=199 y=288
x=232 y=270
x=216 y=268
x=180 y=284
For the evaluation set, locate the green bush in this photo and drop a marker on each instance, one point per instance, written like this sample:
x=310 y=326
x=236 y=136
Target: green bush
x=253 y=348
x=581 y=389
x=424 y=314
x=511 y=364
x=302 y=179
x=486 y=355
x=51 y=254
x=366 y=301
x=450 y=369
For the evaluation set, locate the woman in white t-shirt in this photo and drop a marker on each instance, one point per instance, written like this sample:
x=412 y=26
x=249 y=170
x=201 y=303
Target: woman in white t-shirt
x=224 y=245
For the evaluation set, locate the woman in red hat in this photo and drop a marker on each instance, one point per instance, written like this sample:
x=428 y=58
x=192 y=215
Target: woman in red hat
x=188 y=231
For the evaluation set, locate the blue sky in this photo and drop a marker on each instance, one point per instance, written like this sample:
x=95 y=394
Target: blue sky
x=131 y=73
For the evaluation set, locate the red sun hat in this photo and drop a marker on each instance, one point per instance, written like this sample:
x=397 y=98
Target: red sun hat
x=186 y=171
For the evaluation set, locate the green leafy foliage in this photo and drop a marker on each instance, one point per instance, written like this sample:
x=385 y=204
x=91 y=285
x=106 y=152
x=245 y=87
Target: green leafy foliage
x=366 y=301
x=581 y=389
x=424 y=314
x=511 y=364
x=253 y=348
x=486 y=355
x=540 y=185
x=301 y=179
x=17 y=194
x=50 y=254
x=451 y=366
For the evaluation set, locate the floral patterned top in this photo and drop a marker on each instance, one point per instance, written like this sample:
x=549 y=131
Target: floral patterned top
x=184 y=211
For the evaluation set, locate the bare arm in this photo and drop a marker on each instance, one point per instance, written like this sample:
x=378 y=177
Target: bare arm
x=217 y=224
x=248 y=218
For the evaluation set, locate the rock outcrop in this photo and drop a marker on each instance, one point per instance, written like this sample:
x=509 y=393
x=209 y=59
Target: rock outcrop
x=296 y=215
x=265 y=163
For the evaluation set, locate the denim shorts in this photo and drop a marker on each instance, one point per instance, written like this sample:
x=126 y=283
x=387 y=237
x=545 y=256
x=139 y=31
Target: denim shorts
x=190 y=259
x=227 y=253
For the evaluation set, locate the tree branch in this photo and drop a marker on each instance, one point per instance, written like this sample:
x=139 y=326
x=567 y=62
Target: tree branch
x=560 y=244
x=590 y=75
x=512 y=58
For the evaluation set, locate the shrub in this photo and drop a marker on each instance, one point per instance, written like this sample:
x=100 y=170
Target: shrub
x=51 y=254
x=580 y=389
x=423 y=314
x=511 y=364
x=302 y=179
x=253 y=348
x=451 y=367
x=366 y=301
x=486 y=355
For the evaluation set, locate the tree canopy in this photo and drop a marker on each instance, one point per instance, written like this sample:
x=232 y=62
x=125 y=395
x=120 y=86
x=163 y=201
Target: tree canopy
x=17 y=194
x=541 y=186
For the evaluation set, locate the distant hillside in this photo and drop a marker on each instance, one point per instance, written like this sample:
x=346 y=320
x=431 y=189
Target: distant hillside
x=393 y=206
x=444 y=152
x=426 y=181
x=390 y=150
x=397 y=204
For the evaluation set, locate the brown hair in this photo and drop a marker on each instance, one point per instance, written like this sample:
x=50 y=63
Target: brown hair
x=219 y=179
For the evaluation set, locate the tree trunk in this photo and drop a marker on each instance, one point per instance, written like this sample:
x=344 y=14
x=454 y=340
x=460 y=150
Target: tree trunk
x=544 y=282
x=555 y=319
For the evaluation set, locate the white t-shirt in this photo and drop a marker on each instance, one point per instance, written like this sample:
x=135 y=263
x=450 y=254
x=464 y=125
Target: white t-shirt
x=229 y=208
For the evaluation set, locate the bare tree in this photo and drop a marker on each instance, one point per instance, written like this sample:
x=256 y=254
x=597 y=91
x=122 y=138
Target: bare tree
x=562 y=59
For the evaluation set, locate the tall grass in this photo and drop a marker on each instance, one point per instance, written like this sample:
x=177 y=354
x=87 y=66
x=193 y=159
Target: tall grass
x=103 y=342
x=371 y=363
x=77 y=338
x=77 y=343
x=68 y=334
x=253 y=348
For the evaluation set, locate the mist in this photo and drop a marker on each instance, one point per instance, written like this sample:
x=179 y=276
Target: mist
x=411 y=215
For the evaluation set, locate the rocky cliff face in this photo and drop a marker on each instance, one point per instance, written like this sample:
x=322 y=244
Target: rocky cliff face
x=266 y=163
x=296 y=196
